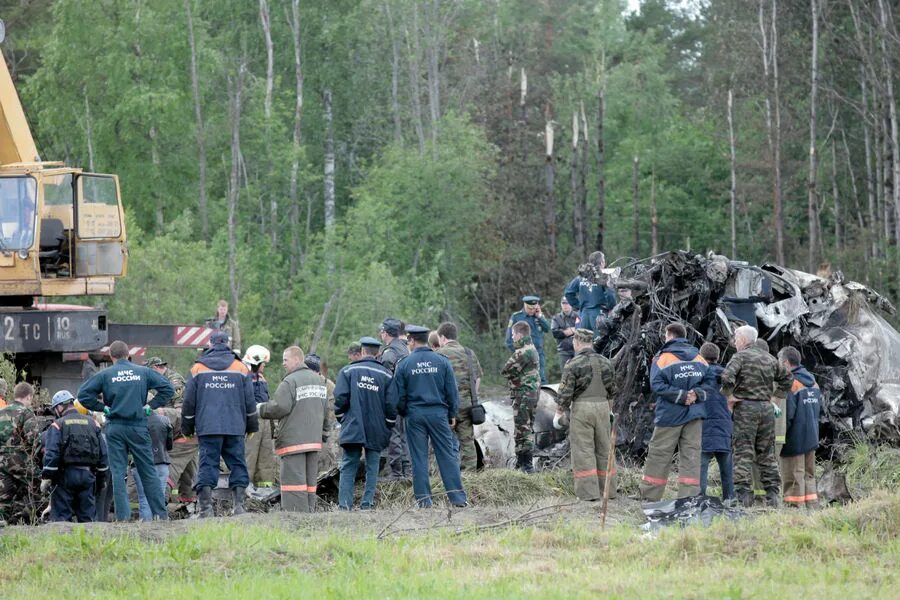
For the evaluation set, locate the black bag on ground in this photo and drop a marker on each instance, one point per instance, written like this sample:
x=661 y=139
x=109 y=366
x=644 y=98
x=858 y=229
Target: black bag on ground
x=477 y=412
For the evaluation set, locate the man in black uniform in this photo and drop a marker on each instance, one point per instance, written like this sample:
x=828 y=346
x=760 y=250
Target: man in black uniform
x=395 y=350
x=74 y=453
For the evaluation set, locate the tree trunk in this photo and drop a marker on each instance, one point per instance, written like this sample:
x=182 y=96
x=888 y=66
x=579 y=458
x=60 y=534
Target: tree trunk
x=733 y=189
x=873 y=230
x=776 y=153
x=413 y=50
x=812 y=205
x=329 y=162
x=201 y=135
x=636 y=211
x=155 y=161
x=889 y=31
x=835 y=194
x=235 y=91
x=395 y=74
x=266 y=24
x=432 y=30
x=601 y=171
x=582 y=179
x=295 y=139
x=654 y=233
x=549 y=193
x=577 y=216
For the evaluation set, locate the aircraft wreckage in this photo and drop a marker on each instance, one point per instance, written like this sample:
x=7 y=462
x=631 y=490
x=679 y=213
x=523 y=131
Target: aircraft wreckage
x=851 y=349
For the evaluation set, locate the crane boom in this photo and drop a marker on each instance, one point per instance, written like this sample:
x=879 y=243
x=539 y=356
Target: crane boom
x=16 y=142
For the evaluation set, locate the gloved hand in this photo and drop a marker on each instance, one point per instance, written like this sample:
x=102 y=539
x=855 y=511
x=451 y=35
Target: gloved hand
x=258 y=404
x=80 y=408
x=777 y=410
x=187 y=427
x=106 y=411
x=45 y=485
x=147 y=410
x=250 y=435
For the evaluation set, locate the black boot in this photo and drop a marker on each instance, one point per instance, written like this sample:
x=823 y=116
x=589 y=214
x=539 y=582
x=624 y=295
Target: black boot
x=204 y=498
x=239 y=494
x=773 y=499
x=745 y=498
x=528 y=460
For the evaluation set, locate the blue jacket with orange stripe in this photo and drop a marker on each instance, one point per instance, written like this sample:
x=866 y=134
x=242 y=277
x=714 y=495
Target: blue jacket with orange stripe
x=803 y=406
x=677 y=369
x=218 y=396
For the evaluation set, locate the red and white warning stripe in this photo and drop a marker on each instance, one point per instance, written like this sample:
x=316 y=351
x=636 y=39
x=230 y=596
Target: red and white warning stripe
x=192 y=336
x=134 y=352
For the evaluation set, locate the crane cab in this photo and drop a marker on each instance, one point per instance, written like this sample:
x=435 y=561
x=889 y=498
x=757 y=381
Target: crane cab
x=62 y=231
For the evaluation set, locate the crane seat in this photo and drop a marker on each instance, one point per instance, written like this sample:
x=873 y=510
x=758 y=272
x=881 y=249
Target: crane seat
x=52 y=236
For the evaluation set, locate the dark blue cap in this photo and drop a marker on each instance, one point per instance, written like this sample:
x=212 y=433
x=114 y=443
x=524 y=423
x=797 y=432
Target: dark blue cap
x=391 y=326
x=369 y=341
x=531 y=299
x=416 y=329
x=219 y=337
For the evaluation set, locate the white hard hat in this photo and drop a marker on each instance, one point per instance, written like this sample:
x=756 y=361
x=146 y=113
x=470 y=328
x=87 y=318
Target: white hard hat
x=256 y=354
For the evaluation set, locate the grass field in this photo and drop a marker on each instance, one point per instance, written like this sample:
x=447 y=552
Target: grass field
x=845 y=552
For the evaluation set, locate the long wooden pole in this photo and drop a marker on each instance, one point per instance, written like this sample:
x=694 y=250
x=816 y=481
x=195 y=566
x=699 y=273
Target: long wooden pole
x=610 y=465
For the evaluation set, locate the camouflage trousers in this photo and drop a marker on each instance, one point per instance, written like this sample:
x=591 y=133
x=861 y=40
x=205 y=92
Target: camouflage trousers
x=20 y=501
x=184 y=456
x=524 y=403
x=754 y=443
x=465 y=433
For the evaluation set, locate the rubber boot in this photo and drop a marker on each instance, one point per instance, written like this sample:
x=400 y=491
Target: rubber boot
x=745 y=498
x=239 y=495
x=204 y=498
x=773 y=499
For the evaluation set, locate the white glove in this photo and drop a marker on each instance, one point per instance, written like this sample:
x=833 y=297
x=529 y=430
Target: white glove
x=258 y=404
x=45 y=485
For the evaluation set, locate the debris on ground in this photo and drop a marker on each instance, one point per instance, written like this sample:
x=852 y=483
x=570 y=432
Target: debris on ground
x=693 y=510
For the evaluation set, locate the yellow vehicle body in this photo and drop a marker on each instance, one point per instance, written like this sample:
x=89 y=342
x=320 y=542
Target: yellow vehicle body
x=62 y=231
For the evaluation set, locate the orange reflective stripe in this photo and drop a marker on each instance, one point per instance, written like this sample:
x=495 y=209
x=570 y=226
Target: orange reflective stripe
x=795 y=499
x=311 y=489
x=811 y=497
x=689 y=480
x=299 y=448
x=294 y=488
x=184 y=440
x=796 y=386
x=592 y=473
x=654 y=480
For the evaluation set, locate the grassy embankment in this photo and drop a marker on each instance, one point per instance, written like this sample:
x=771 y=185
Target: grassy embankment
x=848 y=552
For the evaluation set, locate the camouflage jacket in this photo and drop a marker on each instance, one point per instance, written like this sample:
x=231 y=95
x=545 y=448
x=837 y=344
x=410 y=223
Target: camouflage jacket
x=458 y=357
x=521 y=370
x=577 y=376
x=753 y=374
x=20 y=438
x=177 y=382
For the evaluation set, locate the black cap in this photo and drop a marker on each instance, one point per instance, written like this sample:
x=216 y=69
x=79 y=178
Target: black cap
x=391 y=326
x=416 y=329
x=531 y=299
x=219 y=337
x=313 y=362
x=369 y=341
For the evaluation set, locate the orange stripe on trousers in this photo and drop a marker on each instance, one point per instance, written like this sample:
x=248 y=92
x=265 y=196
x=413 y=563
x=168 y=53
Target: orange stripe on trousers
x=295 y=488
x=654 y=480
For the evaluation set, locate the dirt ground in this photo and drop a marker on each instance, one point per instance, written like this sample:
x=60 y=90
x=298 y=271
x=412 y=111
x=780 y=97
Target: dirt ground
x=387 y=522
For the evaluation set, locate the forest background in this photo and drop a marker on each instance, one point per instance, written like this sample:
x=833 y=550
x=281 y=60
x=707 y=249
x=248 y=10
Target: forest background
x=323 y=165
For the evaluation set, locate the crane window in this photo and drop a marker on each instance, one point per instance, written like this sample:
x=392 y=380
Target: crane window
x=17 y=201
x=98 y=207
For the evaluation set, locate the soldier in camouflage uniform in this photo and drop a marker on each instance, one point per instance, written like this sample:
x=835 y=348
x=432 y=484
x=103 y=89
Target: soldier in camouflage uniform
x=522 y=372
x=20 y=461
x=184 y=452
x=748 y=380
x=461 y=359
x=393 y=351
x=588 y=385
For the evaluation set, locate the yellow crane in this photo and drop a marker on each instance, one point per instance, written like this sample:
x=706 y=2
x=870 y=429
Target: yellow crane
x=62 y=231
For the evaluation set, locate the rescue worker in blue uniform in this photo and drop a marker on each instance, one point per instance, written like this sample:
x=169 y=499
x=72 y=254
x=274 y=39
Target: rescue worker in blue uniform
x=798 y=455
x=532 y=313
x=424 y=392
x=124 y=387
x=366 y=418
x=681 y=380
x=588 y=292
x=219 y=404
x=74 y=454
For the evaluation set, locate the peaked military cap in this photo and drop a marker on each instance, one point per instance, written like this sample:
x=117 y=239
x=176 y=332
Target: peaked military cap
x=531 y=299
x=391 y=326
x=369 y=341
x=416 y=329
